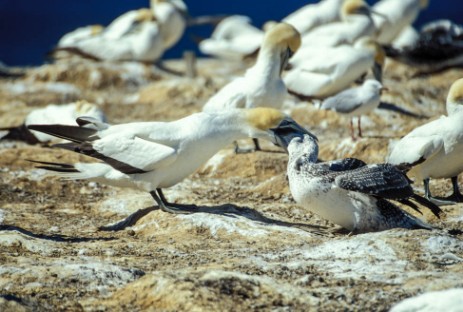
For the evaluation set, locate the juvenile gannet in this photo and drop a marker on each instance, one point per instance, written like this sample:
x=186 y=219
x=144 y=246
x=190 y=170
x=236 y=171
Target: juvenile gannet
x=356 y=22
x=311 y=16
x=171 y=15
x=356 y=102
x=434 y=150
x=439 y=46
x=348 y=192
x=63 y=114
x=395 y=16
x=234 y=37
x=321 y=72
x=143 y=43
x=262 y=84
x=79 y=34
x=155 y=155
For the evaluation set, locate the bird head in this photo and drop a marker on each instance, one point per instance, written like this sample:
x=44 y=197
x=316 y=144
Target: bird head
x=424 y=4
x=354 y=7
x=144 y=15
x=96 y=29
x=283 y=38
x=455 y=97
x=272 y=124
x=177 y=4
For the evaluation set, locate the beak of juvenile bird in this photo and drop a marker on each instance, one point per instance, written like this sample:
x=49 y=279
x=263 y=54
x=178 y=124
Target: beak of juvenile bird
x=286 y=131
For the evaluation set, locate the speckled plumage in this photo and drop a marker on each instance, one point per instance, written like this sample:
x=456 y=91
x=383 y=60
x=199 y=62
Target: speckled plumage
x=349 y=192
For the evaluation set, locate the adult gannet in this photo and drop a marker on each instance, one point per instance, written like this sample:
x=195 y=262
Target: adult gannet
x=155 y=155
x=395 y=16
x=63 y=114
x=311 y=16
x=234 y=37
x=347 y=191
x=143 y=43
x=356 y=22
x=262 y=84
x=79 y=34
x=171 y=15
x=356 y=102
x=434 y=150
x=321 y=72
x=439 y=46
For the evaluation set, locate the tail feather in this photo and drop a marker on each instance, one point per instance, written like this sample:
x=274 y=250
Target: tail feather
x=20 y=133
x=424 y=202
x=57 y=167
x=71 y=133
x=411 y=205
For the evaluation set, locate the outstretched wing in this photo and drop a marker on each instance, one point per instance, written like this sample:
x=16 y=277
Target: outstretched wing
x=382 y=180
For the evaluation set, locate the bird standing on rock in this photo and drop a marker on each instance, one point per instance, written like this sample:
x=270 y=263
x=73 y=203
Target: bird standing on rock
x=155 y=155
x=435 y=150
x=261 y=85
x=356 y=102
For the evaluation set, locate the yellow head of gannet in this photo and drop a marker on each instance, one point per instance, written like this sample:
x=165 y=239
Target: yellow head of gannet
x=455 y=97
x=96 y=29
x=144 y=15
x=424 y=4
x=352 y=7
x=283 y=39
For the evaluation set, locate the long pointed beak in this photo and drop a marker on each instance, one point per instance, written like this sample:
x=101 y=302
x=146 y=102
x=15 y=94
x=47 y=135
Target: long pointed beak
x=378 y=72
x=284 y=60
x=286 y=131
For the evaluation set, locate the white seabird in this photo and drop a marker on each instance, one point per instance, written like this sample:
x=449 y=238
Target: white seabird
x=321 y=72
x=348 y=192
x=171 y=16
x=153 y=155
x=313 y=15
x=80 y=34
x=356 y=22
x=63 y=114
x=143 y=43
x=395 y=16
x=439 y=46
x=262 y=84
x=234 y=38
x=434 y=150
x=356 y=102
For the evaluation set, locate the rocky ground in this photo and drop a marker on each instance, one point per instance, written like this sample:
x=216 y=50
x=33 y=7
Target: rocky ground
x=248 y=248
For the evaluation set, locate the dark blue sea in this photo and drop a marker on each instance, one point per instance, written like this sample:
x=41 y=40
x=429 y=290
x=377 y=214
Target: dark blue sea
x=30 y=28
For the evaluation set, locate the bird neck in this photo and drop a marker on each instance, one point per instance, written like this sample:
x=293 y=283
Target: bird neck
x=454 y=108
x=268 y=64
x=306 y=151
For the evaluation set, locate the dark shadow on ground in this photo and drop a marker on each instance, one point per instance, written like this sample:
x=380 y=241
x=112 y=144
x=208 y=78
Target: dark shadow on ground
x=228 y=210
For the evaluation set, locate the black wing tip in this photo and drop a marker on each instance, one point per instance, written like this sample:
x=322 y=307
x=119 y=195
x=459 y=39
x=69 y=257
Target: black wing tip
x=53 y=166
x=427 y=203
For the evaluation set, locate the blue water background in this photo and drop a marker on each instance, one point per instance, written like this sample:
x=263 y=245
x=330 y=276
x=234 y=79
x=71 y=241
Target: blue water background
x=30 y=28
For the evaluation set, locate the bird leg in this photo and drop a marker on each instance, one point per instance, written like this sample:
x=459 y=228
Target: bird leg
x=359 y=126
x=129 y=221
x=427 y=192
x=456 y=196
x=239 y=150
x=352 y=134
x=170 y=207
